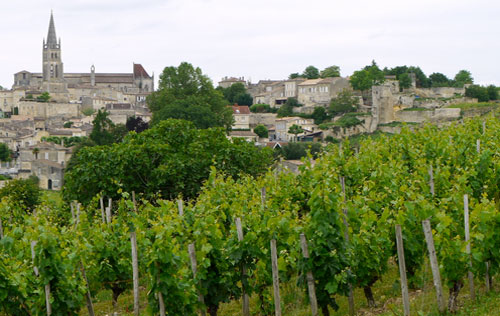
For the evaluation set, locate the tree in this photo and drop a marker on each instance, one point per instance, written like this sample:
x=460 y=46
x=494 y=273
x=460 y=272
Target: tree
x=295 y=130
x=404 y=81
x=345 y=102
x=478 y=92
x=311 y=72
x=44 y=97
x=294 y=75
x=136 y=124
x=172 y=158
x=184 y=92
x=5 y=152
x=237 y=94
x=103 y=129
x=332 y=71
x=422 y=80
x=439 y=80
x=462 y=78
x=68 y=124
x=295 y=151
x=492 y=92
x=261 y=108
x=287 y=108
x=319 y=115
x=23 y=194
x=261 y=131
x=367 y=77
x=35 y=152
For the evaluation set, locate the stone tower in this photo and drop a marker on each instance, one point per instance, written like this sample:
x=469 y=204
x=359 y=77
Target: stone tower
x=53 y=71
x=92 y=76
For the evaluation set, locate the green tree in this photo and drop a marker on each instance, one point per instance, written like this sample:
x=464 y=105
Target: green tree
x=244 y=99
x=404 y=81
x=478 y=92
x=260 y=108
x=332 y=71
x=294 y=75
x=345 y=102
x=68 y=124
x=463 y=77
x=296 y=151
x=237 y=93
x=44 y=97
x=295 y=130
x=184 y=92
x=35 y=152
x=171 y=158
x=311 y=72
x=23 y=194
x=492 y=92
x=5 y=152
x=136 y=124
x=367 y=77
x=261 y=130
x=287 y=108
x=439 y=80
x=103 y=131
x=319 y=115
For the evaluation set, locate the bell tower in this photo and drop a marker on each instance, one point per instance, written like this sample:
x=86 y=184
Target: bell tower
x=53 y=71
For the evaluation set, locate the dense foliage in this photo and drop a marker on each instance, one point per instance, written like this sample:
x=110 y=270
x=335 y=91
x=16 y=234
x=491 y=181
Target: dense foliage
x=184 y=92
x=171 y=158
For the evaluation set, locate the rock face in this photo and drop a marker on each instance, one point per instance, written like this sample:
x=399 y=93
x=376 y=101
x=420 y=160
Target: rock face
x=434 y=115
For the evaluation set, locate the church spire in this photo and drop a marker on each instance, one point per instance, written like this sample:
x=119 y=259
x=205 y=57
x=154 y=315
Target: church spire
x=51 y=37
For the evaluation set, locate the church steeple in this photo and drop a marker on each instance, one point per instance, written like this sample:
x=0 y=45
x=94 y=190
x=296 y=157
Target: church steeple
x=51 y=36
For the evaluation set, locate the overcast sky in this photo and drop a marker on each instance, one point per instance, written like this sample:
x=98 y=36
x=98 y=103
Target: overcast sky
x=257 y=39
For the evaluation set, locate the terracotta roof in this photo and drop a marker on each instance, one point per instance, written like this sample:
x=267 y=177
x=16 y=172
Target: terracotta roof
x=241 y=109
x=139 y=71
x=242 y=133
x=49 y=163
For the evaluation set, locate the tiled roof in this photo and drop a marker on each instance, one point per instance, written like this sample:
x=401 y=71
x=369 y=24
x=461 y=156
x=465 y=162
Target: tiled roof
x=241 y=109
x=139 y=71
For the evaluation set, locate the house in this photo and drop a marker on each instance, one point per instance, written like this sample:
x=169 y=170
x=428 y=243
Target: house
x=241 y=114
x=274 y=95
x=319 y=92
x=283 y=126
x=50 y=173
x=247 y=135
x=226 y=82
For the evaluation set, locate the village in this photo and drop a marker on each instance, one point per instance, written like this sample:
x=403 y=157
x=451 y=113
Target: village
x=52 y=104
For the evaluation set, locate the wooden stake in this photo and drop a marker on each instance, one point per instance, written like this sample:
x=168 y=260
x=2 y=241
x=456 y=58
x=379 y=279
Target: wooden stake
x=276 y=279
x=180 y=207
x=101 y=200
x=478 y=146
x=72 y=210
x=246 y=298
x=194 y=267
x=133 y=200
x=467 y=246
x=108 y=215
x=487 y=276
x=135 y=272
x=310 y=277
x=77 y=213
x=35 y=269
x=402 y=270
x=1 y=229
x=350 y=298
x=110 y=203
x=161 y=303
x=484 y=127
x=88 y=297
x=431 y=180
x=263 y=196
x=47 y=299
x=434 y=265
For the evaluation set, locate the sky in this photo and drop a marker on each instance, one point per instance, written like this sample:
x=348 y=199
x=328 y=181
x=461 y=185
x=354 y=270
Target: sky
x=255 y=39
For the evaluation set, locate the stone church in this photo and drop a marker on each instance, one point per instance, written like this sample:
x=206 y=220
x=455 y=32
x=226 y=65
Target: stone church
x=74 y=87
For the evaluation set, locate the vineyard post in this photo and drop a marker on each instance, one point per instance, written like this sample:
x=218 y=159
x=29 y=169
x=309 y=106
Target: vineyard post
x=263 y=196
x=434 y=265
x=180 y=207
x=135 y=272
x=402 y=270
x=1 y=229
x=431 y=180
x=77 y=213
x=88 y=297
x=133 y=201
x=309 y=277
x=160 y=294
x=467 y=249
x=194 y=267
x=101 y=200
x=108 y=215
x=72 y=210
x=484 y=127
x=478 y=146
x=110 y=203
x=346 y=236
x=246 y=299
x=47 y=286
x=276 y=280
x=487 y=276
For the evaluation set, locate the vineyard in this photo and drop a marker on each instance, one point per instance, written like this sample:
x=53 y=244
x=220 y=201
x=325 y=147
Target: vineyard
x=332 y=229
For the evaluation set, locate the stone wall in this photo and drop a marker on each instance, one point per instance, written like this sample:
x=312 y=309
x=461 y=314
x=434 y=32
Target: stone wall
x=445 y=114
x=48 y=109
x=441 y=92
x=266 y=119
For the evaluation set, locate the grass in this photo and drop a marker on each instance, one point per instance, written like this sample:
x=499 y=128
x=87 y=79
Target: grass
x=396 y=123
x=416 y=109
x=468 y=106
x=386 y=292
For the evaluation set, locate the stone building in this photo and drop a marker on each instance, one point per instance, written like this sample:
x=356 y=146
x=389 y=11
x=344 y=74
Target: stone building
x=72 y=87
x=319 y=92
